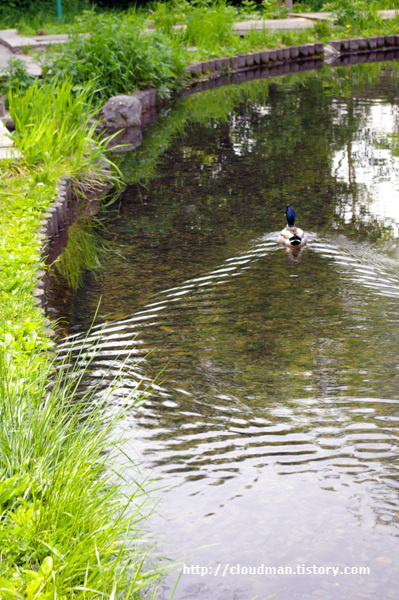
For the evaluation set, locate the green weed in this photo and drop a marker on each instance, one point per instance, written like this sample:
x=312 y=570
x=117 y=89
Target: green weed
x=67 y=521
x=117 y=58
x=14 y=76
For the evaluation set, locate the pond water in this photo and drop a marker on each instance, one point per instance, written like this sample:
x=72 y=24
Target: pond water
x=272 y=425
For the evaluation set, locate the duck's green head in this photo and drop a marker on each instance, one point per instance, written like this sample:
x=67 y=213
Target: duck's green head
x=290 y=214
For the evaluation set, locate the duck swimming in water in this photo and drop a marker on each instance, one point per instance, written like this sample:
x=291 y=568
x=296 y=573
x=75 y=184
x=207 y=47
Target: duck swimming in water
x=292 y=236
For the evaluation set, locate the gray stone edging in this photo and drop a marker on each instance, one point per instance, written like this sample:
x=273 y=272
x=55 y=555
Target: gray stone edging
x=263 y=58
x=366 y=44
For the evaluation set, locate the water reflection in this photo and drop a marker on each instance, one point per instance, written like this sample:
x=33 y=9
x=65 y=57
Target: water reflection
x=274 y=424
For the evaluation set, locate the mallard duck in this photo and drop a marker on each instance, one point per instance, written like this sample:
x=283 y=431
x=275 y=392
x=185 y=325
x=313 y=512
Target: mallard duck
x=292 y=236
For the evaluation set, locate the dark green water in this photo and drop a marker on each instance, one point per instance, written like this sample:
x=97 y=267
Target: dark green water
x=273 y=427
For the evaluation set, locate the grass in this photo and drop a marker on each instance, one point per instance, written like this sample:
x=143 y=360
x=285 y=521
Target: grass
x=117 y=59
x=67 y=528
x=67 y=525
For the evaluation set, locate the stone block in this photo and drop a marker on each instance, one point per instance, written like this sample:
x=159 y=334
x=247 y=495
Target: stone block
x=234 y=62
x=264 y=57
x=59 y=206
x=273 y=55
x=390 y=40
x=47 y=222
x=372 y=43
x=122 y=111
x=380 y=41
x=319 y=47
x=211 y=66
x=144 y=98
x=256 y=56
x=294 y=51
x=303 y=51
x=344 y=45
x=153 y=96
x=195 y=69
x=336 y=44
x=311 y=50
x=354 y=45
x=363 y=44
x=241 y=61
x=249 y=60
x=286 y=54
x=54 y=217
x=279 y=54
x=225 y=63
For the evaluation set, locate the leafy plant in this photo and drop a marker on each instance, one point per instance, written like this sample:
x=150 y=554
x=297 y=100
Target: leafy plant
x=274 y=9
x=116 y=58
x=15 y=76
x=66 y=522
x=346 y=12
x=209 y=24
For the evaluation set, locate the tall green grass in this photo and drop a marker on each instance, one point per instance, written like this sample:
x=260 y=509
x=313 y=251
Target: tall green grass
x=53 y=126
x=68 y=528
x=210 y=24
x=117 y=58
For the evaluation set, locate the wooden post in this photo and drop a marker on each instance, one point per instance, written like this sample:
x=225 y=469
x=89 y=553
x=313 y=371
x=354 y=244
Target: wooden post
x=288 y=4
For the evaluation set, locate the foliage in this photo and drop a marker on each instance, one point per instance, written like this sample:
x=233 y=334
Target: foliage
x=64 y=525
x=32 y=16
x=322 y=5
x=274 y=9
x=209 y=23
x=54 y=125
x=23 y=199
x=14 y=76
x=116 y=58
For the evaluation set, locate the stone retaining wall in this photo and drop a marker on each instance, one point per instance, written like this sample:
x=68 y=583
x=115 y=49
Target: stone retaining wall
x=369 y=44
x=253 y=59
